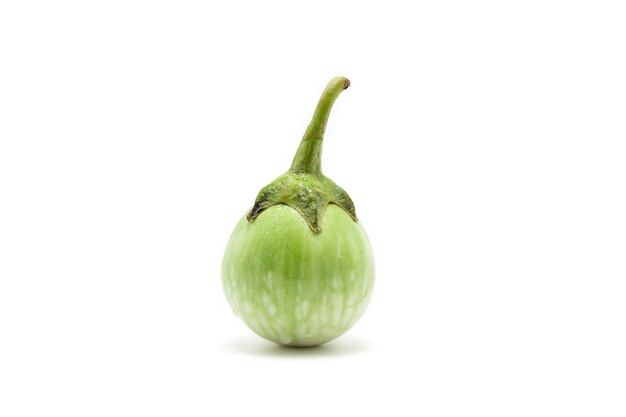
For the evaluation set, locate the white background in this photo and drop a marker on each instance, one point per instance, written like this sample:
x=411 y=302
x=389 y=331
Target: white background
x=483 y=145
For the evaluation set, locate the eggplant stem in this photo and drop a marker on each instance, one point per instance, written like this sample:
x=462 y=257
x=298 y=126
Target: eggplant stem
x=308 y=158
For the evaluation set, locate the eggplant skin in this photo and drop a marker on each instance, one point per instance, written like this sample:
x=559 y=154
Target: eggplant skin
x=293 y=286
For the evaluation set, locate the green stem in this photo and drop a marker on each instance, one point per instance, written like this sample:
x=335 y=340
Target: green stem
x=308 y=158
x=303 y=187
